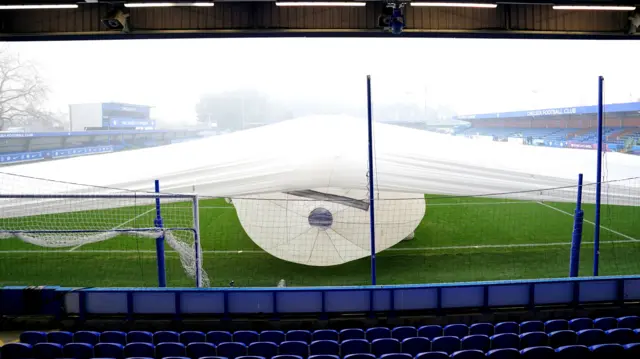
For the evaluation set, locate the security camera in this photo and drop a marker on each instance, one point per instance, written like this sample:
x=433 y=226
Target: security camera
x=392 y=17
x=117 y=19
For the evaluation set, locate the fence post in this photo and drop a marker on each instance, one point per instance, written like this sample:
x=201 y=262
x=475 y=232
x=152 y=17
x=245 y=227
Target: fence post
x=576 y=238
x=162 y=275
x=596 y=234
x=371 y=182
x=197 y=248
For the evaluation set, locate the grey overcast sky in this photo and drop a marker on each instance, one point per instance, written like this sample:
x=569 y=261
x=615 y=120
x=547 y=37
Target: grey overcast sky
x=467 y=75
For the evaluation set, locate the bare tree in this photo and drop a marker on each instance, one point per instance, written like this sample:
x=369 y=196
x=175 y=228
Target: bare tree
x=22 y=91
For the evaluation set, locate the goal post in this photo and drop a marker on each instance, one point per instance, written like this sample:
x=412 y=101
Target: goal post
x=57 y=227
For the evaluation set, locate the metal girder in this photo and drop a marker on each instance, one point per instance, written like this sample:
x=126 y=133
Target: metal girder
x=262 y=18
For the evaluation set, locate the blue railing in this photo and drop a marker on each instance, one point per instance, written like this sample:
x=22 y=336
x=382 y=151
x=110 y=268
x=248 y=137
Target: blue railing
x=228 y=302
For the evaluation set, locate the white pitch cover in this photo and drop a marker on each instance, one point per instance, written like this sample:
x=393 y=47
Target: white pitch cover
x=327 y=154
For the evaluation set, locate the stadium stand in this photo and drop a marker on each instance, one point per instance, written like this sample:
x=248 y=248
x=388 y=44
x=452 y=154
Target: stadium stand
x=574 y=127
x=604 y=337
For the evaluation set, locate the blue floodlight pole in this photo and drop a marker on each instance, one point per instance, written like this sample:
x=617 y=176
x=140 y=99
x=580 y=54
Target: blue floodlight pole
x=162 y=275
x=596 y=234
x=576 y=238
x=371 y=188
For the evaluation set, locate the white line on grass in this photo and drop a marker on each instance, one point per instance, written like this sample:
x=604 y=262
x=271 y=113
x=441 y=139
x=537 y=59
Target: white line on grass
x=120 y=226
x=588 y=221
x=251 y=251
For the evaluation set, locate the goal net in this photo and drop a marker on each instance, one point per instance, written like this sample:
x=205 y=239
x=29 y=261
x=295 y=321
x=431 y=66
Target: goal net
x=72 y=234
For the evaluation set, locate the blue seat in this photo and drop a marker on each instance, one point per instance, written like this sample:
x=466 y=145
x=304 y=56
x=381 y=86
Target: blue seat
x=211 y=357
x=621 y=336
x=556 y=325
x=232 y=350
x=433 y=355
x=188 y=337
x=382 y=346
x=534 y=339
x=572 y=352
x=430 y=331
x=505 y=341
x=468 y=354
x=354 y=346
x=166 y=336
x=176 y=349
x=266 y=350
x=273 y=336
x=507 y=327
x=607 y=351
x=631 y=322
x=396 y=356
x=477 y=342
x=162 y=358
x=589 y=337
x=632 y=351
x=328 y=347
x=506 y=353
x=360 y=356
x=415 y=346
x=456 y=330
x=298 y=336
x=402 y=333
x=250 y=357
x=60 y=337
x=198 y=350
x=325 y=334
x=78 y=351
x=139 y=336
x=146 y=350
x=537 y=353
x=481 y=328
x=324 y=356
x=33 y=337
x=47 y=351
x=372 y=334
x=287 y=356
x=113 y=337
x=562 y=338
x=605 y=323
x=300 y=349
x=16 y=351
x=531 y=326
x=579 y=324
x=86 y=336
x=216 y=337
x=351 y=333
x=246 y=337
x=109 y=350
x=448 y=345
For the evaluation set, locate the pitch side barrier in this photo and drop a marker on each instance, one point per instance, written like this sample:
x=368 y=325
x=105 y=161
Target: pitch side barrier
x=181 y=303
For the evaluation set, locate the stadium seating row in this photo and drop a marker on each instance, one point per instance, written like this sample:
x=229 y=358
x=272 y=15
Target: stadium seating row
x=400 y=333
x=85 y=351
x=378 y=347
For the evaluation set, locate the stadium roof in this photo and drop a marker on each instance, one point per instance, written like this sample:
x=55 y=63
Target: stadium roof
x=576 y=110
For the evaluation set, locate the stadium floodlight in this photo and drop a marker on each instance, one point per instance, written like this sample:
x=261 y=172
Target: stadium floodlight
x=594 y=7
x=454 y=4
x=39 y=7
x=168 y=4
x=321 y=3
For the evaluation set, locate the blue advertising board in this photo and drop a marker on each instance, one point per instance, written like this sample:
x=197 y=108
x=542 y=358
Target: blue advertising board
x=49 y=154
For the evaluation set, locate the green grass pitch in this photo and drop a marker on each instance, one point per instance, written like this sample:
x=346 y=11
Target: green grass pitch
x=459 y=239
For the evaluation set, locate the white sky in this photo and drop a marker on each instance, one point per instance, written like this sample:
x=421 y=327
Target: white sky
x=468 y=75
